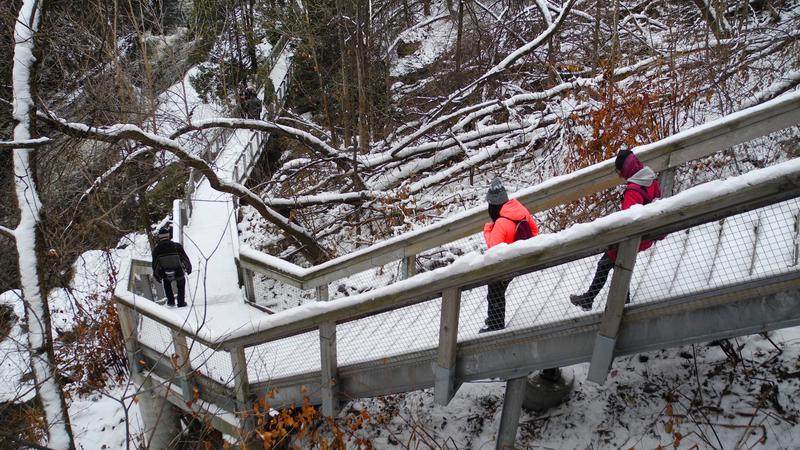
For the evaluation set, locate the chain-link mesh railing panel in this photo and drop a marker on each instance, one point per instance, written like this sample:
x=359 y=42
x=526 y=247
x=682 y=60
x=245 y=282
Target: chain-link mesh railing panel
x=277 y=296
x=745 y=247
x=366 y=280
x=531 y=300
x=389 y=334
x=777 y=239
x=284 y=357
x=154 y=335
x=214 y=364
x=446 y=254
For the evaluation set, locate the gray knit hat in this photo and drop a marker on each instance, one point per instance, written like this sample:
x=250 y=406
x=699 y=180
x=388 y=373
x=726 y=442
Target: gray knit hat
x=497 y=193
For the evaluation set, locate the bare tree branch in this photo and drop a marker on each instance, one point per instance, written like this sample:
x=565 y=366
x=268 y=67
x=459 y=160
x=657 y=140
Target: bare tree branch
x=26 y=143
x=328 y=198
x=509 y=60
x=7 y=232
x=118 y=132
x=306 y=138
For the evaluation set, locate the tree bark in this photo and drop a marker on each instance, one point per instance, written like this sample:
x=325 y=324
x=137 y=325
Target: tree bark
x=460 y=34
x=28 y=237
x=362 y=78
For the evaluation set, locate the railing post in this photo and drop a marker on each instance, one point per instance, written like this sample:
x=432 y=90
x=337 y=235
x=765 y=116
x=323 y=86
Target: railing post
x=603 y=353
x=183 y=365
x=249 y=286
x=408 y=267
x=445 y=368
x=177 y=220
x=328 y=366
x=128 y=321
x=667 y=181
x=512 y=409
x=241 y=386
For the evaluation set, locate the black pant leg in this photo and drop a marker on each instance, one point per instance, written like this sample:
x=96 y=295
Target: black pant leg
x=496 y=299
x=181 y=291
x=604 y=266
x=168 y=290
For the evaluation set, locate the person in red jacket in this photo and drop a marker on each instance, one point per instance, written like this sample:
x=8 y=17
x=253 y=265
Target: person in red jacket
x=641 y=188
x=510 y=222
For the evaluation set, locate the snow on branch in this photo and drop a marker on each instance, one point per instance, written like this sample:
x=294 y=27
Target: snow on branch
x=525 y=49
x=327 y=198
x=25 y=143
x=40 y=342
x=118 y=132
x=510 y=59
x=113 y=169
x=7 y=232
x=261 y=125
x=545 y=10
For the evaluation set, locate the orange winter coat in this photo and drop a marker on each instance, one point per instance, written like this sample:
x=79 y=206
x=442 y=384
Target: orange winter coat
x=504 y=228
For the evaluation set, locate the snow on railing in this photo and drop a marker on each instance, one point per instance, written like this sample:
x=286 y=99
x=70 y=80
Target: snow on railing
x=663 y=155
x=252 y=150
x=750 y=203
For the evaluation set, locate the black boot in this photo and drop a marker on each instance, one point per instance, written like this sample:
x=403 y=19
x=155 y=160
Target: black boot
x=584 y=301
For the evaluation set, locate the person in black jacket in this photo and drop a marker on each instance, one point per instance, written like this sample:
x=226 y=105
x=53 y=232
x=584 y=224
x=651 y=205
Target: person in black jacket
x=170 y=263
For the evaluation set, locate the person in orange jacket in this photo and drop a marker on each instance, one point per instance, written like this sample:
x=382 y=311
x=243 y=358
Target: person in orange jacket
x=510 y=222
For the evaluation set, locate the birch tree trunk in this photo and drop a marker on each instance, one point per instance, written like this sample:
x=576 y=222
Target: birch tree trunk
x=40 y=340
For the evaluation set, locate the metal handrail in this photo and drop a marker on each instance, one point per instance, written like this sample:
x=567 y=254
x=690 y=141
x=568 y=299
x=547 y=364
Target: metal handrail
x=662 y=155
x=669 y=215
x=252 y=152
x=244 y=162
x=684 y=210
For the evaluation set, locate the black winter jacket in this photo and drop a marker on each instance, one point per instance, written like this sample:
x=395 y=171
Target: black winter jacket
x=170 y=256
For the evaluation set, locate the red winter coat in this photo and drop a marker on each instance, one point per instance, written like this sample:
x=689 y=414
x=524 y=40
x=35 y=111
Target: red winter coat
x=633 y=196
x=504 y=228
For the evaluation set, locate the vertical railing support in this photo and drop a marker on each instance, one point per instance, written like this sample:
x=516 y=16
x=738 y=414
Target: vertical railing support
x=161 y=420
x=177 y=221
x=512 y=410
x=445 y=367
x=408 y=267
x=183 y=365
x=161 y=432
x=128 y=322
x=241 y=387
x=329 y=384
x=667 y=181
x=249 y=286
x=603 y=353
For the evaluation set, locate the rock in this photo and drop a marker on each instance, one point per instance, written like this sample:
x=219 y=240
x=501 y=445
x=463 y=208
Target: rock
x=543 y=392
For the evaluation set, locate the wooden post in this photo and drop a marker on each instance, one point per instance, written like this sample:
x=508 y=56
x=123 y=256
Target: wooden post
x=667 y=181
x=128 y=321
x=241 y=386
x=183 y=365
x=408 y=267
x=249 y=286
x=512 y=409
x=329 y=386
x=445 y=368
x=603 y=353
x=161 y=419
x=177 y=221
